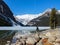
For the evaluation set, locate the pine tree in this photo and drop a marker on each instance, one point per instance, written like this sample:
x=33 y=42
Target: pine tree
x=53 y=19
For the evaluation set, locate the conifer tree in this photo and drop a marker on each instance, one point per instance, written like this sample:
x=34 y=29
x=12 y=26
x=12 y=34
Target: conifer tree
x=53 y=19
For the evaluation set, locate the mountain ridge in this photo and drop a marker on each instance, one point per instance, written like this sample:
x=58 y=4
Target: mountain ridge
x=44 y=19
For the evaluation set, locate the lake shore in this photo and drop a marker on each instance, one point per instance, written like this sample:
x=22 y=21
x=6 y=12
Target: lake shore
x=47 y=37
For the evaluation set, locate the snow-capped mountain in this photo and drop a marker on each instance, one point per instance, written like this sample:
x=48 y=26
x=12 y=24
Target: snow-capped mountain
x=24 y=19
x=43 y=20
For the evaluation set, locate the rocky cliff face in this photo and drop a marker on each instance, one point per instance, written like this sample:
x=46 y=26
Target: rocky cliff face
x=6 y=15
x=6 y=10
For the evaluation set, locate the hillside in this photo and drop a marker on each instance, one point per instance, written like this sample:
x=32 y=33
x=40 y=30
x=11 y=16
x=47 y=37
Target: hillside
x=44 y=19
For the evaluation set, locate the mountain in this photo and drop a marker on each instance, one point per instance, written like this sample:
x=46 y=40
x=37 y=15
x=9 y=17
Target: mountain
x=43 y=20
x=6 y=16
x=24 y=19
x=6 y=19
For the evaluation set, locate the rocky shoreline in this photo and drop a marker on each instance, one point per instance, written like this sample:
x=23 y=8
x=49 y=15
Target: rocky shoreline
x=47 y=37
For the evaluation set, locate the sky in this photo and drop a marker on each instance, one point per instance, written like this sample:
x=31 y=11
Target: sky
x=20 y=7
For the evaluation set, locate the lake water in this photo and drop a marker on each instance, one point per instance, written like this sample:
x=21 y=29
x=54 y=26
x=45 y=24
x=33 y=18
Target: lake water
x=21 y=31
x=22 y=28
x=26 y=30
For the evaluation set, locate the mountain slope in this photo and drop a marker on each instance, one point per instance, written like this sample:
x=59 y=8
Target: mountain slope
x=6 y=16
x=44 y=20
x=24 y=19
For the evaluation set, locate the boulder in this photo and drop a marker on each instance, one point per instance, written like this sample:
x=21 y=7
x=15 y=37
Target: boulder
x=39 y=43
x=37 y=37
x=57 y=40
x=23 y=41
x=8 y=43
x=30 y=41
x=45 y=42
x=18 y=43
x=52 y=39
x=57 y=44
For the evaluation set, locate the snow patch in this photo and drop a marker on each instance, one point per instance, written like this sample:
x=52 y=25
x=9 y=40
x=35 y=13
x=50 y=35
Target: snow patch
x=26 y=18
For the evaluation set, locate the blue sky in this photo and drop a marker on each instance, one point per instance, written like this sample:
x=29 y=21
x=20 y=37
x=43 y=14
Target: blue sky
x=31 y=6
